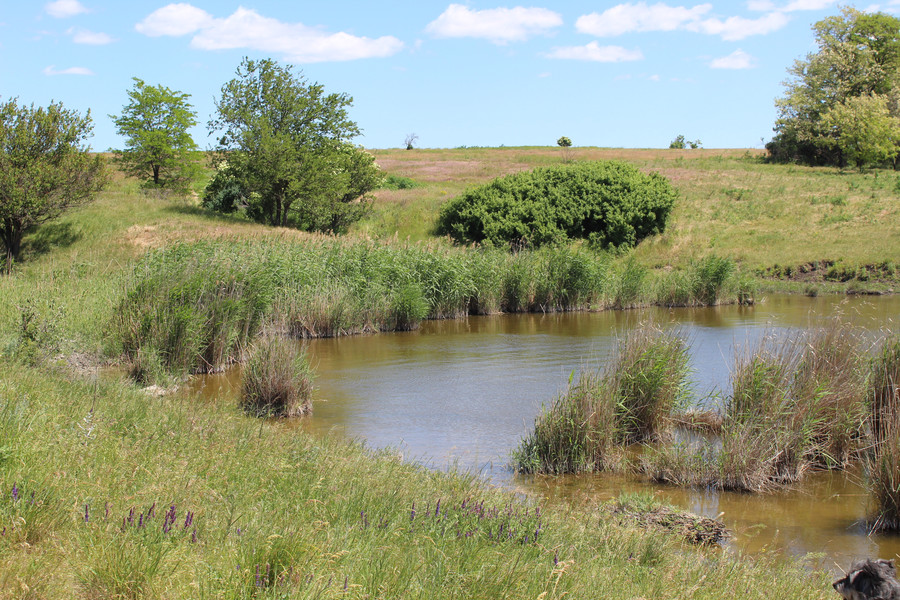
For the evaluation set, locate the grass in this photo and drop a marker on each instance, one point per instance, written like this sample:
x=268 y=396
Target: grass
x=730 y=202
x=883 y=462
x=277 y=380
x=176 y=499
x=796 y=404
x=275 y=512
x=588 y=427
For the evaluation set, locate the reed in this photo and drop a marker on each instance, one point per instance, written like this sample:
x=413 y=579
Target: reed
x=630 y=401
x=883 y=462
x=796 y=404
x=277 y=380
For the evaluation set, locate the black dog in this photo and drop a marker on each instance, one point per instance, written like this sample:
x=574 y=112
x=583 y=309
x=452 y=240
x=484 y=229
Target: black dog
x=869 y=580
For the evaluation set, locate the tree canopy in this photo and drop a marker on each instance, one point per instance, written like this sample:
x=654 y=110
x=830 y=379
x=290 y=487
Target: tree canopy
x=287 y=146
x=158 y=146
x=855 y=71
x=45 y=168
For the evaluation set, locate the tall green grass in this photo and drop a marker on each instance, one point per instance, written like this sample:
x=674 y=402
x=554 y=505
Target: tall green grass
x=177 y=498
x=195 y=308
x=277 y=380
x=630 y=401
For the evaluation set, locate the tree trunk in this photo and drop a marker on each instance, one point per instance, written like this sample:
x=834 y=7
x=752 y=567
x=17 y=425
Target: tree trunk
x=12 y=241
x=155 y=174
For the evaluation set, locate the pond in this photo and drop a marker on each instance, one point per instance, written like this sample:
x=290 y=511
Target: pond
x=463 y=393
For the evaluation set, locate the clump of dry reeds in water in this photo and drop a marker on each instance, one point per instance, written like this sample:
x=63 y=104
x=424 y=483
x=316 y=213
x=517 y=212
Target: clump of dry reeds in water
x=796 y=404
x=277 y=379
x=883 y=463
x=630 y=401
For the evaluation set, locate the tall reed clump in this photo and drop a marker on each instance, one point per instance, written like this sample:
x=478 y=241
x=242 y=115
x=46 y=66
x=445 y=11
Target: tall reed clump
x=883 y=462
x=630 y=401
x=796 y=404
x=193 y=308
x=706 y=282
x=277 y=380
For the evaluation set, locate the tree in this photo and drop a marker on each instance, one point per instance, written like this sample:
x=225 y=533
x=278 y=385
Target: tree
x=410 y=140
x=158 y=147
x=679 y=143
x=45 y=168
x=287 y=145
x=863 y=129
x=858 y=55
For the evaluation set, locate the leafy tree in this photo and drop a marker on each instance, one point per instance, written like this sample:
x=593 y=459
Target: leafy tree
x=287 y=145
x=679 y=143
x=158 y=147
x=858 y=55
x=45 y=168
x=863 y=130
x=564 y=142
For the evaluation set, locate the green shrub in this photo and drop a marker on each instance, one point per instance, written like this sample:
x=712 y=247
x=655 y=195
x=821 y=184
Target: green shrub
x=610 y=203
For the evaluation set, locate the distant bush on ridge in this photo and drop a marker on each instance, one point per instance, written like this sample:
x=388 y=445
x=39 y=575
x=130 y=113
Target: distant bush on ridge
x=609 y=203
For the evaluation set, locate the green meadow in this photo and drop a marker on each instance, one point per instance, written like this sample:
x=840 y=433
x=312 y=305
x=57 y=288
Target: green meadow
x=109 y=491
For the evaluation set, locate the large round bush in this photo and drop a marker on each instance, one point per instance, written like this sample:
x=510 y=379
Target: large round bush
x=610 y=203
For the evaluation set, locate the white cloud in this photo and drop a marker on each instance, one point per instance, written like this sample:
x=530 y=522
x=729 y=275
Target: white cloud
x=640 y=17
x=499 y=25
x=596 y=53
x=174 y=19
x=736 y=60
x=653 y=78
x=807 y=5
x=83 y=36
x=738 y=28
x=62 y=9
x=795 y=5
x=52 y=70
x=246 y=28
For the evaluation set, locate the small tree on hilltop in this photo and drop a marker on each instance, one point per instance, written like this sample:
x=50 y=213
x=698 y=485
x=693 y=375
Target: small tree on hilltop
x=410 y=140
x=158 y=147
x=288 y=150
x=45 y=168
x=566 y=145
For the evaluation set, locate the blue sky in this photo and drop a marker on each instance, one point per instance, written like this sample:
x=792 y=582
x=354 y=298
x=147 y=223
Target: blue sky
x=480 y=73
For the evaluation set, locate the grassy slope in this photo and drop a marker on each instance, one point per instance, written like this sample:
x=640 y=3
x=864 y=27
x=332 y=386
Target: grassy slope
x=761 y=215
x=297 y=500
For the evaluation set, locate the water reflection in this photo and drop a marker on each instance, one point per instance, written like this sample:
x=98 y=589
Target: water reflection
x=464 y=392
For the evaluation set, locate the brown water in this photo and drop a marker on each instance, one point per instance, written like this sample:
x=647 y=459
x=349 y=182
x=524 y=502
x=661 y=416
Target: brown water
x=463 y=393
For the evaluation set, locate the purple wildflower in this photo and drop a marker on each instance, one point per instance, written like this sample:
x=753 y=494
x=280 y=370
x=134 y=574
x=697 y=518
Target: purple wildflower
x=106 y=510
x=15 y=492
x=140 y=520
x=412 y=513
x=194 y=536
x=188 y=520
x=556 y=559
x=87 y=516
x=437 y=508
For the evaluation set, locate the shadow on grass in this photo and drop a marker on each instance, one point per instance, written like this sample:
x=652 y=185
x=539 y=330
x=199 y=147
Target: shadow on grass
x=209 y=215
x=47 y=238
